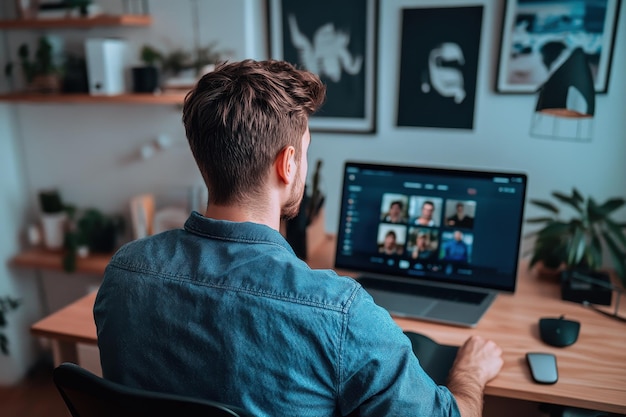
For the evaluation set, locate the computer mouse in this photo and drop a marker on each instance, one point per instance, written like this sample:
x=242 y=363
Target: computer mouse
x=543 y=367
x=558 y=331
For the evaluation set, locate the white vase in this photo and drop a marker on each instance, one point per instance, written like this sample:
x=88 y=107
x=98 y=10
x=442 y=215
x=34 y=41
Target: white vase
x=53 y=226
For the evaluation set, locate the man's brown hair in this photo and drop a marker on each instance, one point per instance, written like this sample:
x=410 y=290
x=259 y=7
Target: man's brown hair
x=240 y=116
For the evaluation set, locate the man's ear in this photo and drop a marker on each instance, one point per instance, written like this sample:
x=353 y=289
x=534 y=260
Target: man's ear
x=286 y=164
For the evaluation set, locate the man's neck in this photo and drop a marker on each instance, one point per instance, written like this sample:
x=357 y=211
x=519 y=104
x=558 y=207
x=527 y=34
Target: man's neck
x=238 y=213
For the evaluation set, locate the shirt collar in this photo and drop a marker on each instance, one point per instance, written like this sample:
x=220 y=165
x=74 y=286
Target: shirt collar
x=234 y=231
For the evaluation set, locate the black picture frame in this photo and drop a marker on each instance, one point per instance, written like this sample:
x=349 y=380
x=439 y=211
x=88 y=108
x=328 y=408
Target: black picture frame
x=537 y=36
x=337 y=41
x=439 y=54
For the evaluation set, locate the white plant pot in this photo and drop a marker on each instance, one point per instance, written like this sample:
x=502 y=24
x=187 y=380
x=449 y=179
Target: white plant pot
x=53 y=226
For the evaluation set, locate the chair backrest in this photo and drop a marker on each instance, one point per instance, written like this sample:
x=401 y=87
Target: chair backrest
x=88 y=395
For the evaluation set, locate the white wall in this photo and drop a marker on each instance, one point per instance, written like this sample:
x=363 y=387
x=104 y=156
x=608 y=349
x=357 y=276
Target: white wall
x=500 y=138
x=22 y=349
x=14 y=283
x=90 y=151
x=89 y=156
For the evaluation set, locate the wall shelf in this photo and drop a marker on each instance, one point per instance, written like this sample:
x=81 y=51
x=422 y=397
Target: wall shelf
x=53 y=260
x=175 y=98
x=78 y=22
x=135 y=98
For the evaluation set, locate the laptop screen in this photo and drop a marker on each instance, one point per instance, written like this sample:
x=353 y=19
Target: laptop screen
x=441 y=225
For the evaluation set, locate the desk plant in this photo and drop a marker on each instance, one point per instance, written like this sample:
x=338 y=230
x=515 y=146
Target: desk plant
x=184 y=67
x=180 y=60
x=579 y=241
x=81 y=5
x=146 y=77
x=94 y=231
x=6 y=304
x=40 y=71
x=53 y=218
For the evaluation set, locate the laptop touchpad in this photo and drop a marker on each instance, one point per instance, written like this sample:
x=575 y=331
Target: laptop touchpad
x=402 y=304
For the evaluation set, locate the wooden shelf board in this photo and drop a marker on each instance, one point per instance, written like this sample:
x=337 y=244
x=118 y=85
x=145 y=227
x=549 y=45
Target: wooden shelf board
x=77 y=22
x=135 y=98
x=44 y=259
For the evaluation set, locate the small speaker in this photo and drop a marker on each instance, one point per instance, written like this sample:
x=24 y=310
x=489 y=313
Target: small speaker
x=105 y=66
x=592 y=286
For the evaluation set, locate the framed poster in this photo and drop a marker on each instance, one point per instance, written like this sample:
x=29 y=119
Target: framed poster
x=538 y=36
x=337 y=41
x=439 y=66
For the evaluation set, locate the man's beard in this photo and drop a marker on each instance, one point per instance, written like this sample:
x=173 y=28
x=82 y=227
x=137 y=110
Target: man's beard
x=291 y=208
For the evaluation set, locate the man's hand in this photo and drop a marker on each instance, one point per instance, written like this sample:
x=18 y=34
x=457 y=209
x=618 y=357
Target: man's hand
x=477 y=362
x=479 y=356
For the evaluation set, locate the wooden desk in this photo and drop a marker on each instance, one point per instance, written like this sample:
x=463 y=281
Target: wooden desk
x=592 y=372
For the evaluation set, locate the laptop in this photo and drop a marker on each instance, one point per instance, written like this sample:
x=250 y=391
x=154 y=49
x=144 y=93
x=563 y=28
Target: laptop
x=430 y=243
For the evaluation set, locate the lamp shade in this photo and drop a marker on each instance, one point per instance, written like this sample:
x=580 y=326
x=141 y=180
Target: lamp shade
x=569 y=92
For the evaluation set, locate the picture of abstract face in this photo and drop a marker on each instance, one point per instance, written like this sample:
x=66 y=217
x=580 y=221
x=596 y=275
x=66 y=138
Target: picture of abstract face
x=438 y=68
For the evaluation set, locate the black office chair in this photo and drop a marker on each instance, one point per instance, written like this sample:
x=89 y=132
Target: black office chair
x=88 y=395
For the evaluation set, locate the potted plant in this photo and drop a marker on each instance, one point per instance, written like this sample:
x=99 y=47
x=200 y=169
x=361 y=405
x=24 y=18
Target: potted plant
x=82 y=6
x=7 y=304
x=184 y=67
x=206 y=59
x=41 y=73
x=93 y=232
x=53 y=218
x=578 y=243
x=146 y=77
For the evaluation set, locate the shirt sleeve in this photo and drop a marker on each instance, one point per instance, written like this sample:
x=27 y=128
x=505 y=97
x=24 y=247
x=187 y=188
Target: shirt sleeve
x=379 y=374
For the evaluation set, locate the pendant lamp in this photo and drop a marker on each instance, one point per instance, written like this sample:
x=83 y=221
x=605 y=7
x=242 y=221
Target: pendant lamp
x=566 y=101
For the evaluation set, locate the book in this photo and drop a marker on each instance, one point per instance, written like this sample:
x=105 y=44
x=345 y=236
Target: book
x=436 y=359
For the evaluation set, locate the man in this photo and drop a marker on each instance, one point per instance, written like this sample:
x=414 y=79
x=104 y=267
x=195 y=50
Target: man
x=422 y=249
x=389 y=246
x=456 y=249
x=460 y=219
x=396 y=212
x=426 y=216
x=224 y=310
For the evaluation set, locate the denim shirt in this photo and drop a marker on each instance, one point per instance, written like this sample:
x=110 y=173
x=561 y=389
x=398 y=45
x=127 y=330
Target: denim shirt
x=225 y=311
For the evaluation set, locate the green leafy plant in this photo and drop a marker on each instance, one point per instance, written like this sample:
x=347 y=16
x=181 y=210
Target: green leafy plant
x=81 y=5
x=579 y=241
x=176 y=61
x=40 y=70
x=95 y=231
x=180 y=59
x=206 y=56
x=50 y=201
x=7 y=304
x=42 y=62
x=150 y=56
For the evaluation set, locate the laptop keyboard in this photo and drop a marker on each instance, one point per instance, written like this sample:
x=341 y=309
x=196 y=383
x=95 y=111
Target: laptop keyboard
x=448 y=294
